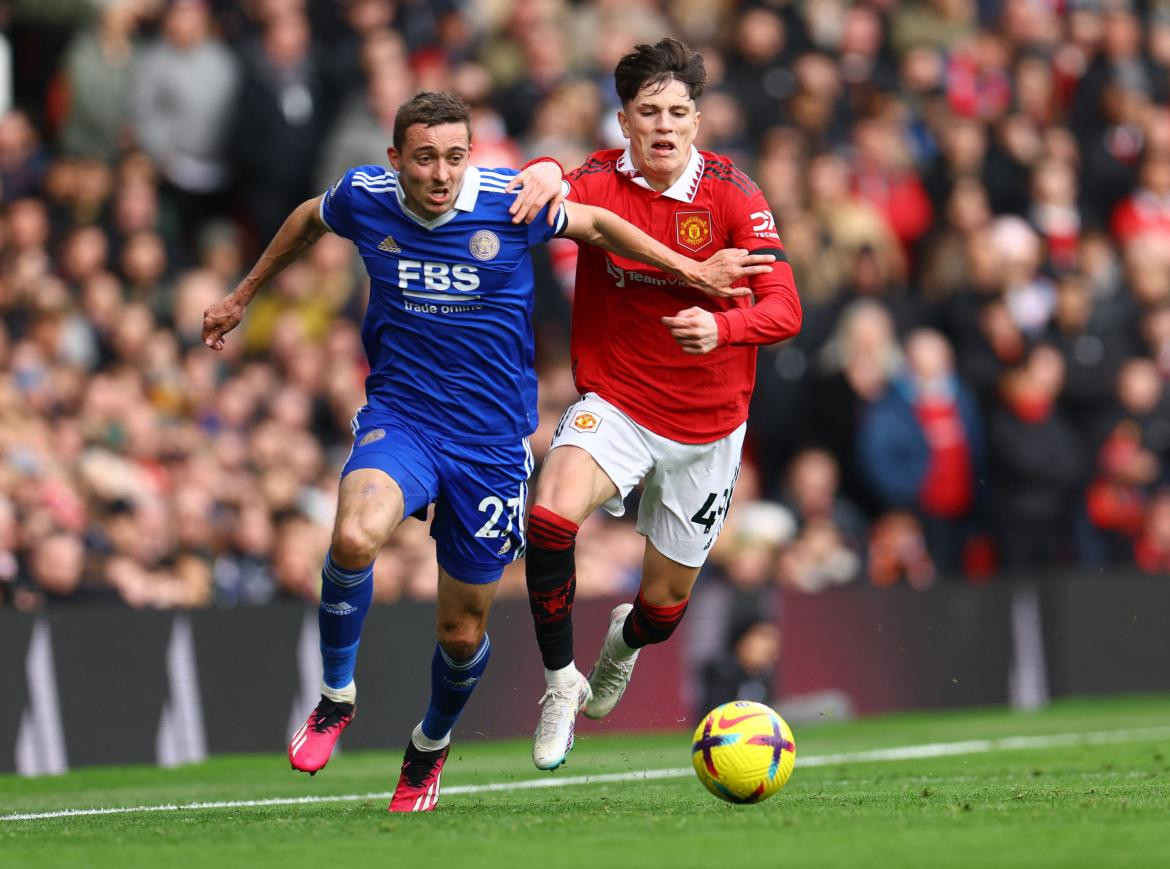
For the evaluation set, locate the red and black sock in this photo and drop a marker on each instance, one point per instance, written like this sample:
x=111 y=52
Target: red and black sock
x=551 y=573
x=648 y=624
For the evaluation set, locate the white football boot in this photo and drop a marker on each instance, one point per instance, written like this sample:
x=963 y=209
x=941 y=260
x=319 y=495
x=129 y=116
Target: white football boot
x=615 y=665
x=558 y=715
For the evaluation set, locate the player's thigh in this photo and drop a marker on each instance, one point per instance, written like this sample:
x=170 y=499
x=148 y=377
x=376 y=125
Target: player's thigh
x=598 y=455
x=389 y=474
x=687 y=495
x=369 y=505
x=478 y=525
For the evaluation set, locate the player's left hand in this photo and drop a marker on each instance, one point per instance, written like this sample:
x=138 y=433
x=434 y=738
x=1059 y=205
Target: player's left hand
x=715 y=274
x=539 y=184
x=694 y=329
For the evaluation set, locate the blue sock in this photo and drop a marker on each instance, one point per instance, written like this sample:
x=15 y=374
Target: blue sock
x=451 y=685
x=345 y=600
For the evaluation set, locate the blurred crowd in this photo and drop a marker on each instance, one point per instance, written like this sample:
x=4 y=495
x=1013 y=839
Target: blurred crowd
x=974 y=196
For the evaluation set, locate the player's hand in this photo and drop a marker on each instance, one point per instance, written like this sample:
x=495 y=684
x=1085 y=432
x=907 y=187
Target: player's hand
x=540 y=183
x=220 y=319
x=715 y=275
x=694 y=329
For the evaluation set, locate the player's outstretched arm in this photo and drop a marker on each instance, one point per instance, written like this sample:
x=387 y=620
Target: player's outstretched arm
x=714 y=276
x=298 y=233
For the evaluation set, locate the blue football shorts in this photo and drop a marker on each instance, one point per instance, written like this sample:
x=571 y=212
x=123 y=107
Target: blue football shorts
x=479 y=491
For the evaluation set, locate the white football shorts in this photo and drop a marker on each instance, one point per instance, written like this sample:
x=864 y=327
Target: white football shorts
x=688 y=487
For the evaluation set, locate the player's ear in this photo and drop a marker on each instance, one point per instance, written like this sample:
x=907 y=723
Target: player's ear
x=395 y=158
x=624 y=123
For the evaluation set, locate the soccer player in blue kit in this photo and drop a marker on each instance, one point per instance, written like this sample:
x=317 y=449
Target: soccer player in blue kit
x=450 y=399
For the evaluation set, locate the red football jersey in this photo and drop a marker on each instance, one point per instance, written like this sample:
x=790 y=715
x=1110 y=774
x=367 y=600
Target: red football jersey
x=620 y=348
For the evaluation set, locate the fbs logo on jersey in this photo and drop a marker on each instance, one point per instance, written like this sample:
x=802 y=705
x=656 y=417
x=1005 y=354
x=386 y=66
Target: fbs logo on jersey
x=389 y=245
x=694 y=229
x=585 y=422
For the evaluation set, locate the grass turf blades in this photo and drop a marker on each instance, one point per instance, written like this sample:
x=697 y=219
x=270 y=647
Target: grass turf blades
x=1036 y=804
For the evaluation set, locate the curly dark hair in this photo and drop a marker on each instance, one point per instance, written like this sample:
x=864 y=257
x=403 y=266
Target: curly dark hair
x=658 y=64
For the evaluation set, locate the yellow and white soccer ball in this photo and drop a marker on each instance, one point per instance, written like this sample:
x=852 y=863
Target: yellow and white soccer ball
x=743 y=752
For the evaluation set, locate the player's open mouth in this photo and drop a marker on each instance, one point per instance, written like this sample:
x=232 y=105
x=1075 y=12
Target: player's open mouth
x=662 y=148
x=438 y=196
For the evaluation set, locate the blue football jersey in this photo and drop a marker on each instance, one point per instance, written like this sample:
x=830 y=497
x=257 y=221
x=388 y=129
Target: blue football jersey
x=448 y=329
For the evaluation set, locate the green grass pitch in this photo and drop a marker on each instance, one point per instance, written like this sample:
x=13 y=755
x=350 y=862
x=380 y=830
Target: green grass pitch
x=1088 y=785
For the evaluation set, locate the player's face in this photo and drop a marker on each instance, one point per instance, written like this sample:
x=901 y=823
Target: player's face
x=661 y=123
x=431 y=166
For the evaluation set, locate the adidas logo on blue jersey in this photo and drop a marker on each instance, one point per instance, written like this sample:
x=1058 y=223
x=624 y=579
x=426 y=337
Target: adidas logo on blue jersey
x=389 y=245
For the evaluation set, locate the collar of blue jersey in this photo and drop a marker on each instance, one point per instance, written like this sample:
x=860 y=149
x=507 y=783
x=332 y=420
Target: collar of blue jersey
x=684 y=189
x=465 y=201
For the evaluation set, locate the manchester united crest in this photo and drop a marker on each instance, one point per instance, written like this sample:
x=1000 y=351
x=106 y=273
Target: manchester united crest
x=694 y=229
x=585 y=422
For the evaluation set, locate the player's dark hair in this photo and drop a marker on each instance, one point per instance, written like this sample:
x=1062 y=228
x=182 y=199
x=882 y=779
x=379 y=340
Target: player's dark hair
x=430 y=108
x=658 y=64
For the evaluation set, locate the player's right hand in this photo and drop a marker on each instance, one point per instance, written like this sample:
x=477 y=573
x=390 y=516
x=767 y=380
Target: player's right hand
x=220 y=319
x=717 y=273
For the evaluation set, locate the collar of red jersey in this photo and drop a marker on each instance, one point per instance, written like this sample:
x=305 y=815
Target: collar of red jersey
x=684 y=189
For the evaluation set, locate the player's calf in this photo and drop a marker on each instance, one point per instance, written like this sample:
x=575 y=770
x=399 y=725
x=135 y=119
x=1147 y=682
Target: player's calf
x=630 y=628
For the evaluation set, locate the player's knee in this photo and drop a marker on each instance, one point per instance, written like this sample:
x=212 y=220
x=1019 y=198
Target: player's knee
x=353 y=544
x=460 y=639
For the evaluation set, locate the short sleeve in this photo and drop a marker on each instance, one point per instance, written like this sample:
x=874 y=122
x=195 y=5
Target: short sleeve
x=337 y=203
x=539 y=230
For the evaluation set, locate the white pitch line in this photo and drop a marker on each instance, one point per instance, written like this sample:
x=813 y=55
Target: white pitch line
x=906 y=752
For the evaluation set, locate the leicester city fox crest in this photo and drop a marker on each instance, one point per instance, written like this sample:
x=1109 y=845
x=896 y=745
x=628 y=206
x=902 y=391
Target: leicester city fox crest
x=484 y=245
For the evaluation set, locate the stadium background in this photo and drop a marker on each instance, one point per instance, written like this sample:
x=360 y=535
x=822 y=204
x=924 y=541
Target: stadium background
x=974 y=196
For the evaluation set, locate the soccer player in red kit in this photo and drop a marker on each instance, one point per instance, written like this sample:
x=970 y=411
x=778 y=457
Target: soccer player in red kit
x=664 y=373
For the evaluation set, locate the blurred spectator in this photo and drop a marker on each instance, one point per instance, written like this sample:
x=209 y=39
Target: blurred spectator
x=829 y=544
x=364 y=126
x=897 y=552
x=858 y=362
x=97 y=74
x=738 y=585
x=23 y=161
x=746 y=671
x=279 y=121
x=1037 y=464
x=184 y=86
x=921 y=447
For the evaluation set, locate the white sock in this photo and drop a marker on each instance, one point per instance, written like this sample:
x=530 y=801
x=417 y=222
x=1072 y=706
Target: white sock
x=424 y=743
x=348 y=694
x=566 y=675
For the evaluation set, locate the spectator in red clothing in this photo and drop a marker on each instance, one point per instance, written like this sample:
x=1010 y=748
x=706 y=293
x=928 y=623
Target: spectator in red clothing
x=920 y=447
x=1054 y=212
x=884 y=176
x=1151 y=549
x=1147 y=211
